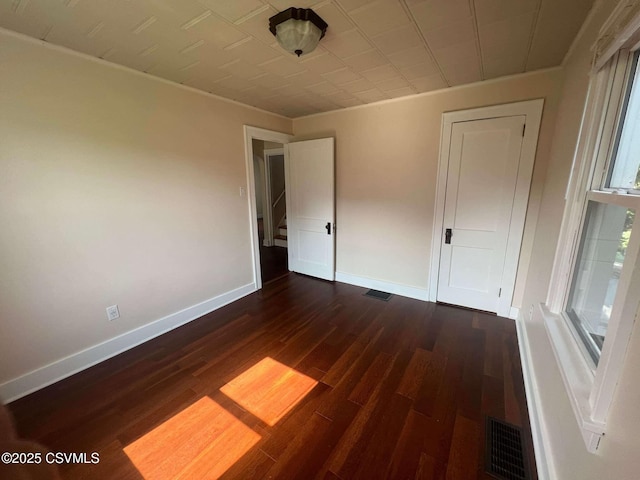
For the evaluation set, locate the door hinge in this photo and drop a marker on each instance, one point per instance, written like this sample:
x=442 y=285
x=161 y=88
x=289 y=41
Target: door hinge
x=499 y=293
x=524 y=127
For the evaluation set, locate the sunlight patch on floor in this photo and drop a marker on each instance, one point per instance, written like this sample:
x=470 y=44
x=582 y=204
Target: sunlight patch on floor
x=269 y=389
x=202 y=441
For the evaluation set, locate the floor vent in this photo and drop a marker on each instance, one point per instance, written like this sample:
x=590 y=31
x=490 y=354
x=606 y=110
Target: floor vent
x=378 y=294
x=505 y=458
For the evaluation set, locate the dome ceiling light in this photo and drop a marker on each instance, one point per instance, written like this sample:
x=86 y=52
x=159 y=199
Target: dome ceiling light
x=298 y=30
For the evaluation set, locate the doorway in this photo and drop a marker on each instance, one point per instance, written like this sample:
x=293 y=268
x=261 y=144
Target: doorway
x=486 y=163
x=271 y=208
x=256 y=192
x=309 y=220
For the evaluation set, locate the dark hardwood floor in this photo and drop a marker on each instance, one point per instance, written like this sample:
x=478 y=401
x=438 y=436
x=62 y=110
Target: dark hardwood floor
x=273 y=260
x=304 y=379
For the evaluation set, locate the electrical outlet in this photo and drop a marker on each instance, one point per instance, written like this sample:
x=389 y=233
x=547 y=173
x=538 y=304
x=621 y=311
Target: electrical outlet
x=530 y=312
x=113 y=312
x=243 y=191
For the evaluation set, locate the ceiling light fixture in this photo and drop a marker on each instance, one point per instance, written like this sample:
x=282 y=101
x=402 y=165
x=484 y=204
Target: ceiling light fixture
x=298 y=30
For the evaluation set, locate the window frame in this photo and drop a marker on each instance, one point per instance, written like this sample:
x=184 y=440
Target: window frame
x=590 y=387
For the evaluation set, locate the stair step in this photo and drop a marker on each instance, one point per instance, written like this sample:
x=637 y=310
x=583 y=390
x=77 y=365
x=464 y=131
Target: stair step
x=282 y=231
x=280 y=241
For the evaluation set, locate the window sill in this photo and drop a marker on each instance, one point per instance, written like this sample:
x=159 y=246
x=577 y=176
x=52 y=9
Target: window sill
x=577 y=376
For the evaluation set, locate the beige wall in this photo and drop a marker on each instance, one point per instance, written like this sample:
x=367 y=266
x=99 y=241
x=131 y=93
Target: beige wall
x=618 y=456
x=115 y=188
x=386 y=164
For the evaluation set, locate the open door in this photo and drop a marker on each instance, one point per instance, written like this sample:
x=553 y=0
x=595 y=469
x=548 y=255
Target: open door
x=310 y=193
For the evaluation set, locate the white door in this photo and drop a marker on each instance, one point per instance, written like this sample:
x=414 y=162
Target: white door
x=481 y=182
x=309 y=169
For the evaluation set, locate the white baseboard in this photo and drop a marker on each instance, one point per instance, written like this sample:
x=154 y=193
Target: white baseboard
x=514 y=312
x=395 y=288
x=538 y=430
x=65 y=367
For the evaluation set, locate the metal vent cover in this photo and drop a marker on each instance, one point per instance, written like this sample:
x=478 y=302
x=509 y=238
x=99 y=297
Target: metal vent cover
x=378 y=294
x=505 y=457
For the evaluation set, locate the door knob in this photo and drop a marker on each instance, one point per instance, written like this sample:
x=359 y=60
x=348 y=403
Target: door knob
x=447 y=235
x=328 y=227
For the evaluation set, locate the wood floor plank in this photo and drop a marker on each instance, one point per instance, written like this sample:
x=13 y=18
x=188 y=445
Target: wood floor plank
x=462 y=463
x=403 y=388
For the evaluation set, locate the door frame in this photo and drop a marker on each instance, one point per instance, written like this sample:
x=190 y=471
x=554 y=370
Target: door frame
x=251 y=133
x=532 y=110
x=267 y=214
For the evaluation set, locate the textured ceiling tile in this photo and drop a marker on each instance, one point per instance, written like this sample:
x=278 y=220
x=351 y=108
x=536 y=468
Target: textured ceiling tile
x=427 y=84
x=79 y=41
x=357 y=86
x=410 y=56
x=232 y=10
x=176 y=71
x=257 y=25
x=558 y=23
x=234 y=82
x=393 y=84
x=341 y=76
x=365 y=61
x=282 y=66
x=401 y=92
x=490 y=11
x=346 y=44
x=350 y=5
x=381 y=16
x=215 y=31
x=281 y=5
x=373 y=95
x=378 y=74
x=397 y=40
x=323 y=88
x=434 y=14
x=287 y=91
x=322 y=63
x=499 y=67
x=339 y=96
x=132 y=60
x=337 y=21
x=419 y=70
x=304 y=78
x=202 y=42
x=460 y=63
x=173 y=14
x=34 y=26
x=462 y=73
x=254 y=52
x=456 y=32
x=457 y=53
x=209 y=55
x=242 y=69
x=268 y=80
x=208 y=74
x=507 y=40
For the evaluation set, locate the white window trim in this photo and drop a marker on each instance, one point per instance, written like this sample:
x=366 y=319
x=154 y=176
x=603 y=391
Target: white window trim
x=590 y=388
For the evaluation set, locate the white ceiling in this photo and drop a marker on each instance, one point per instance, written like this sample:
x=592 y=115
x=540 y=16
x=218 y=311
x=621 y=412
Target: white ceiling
x=373 y=50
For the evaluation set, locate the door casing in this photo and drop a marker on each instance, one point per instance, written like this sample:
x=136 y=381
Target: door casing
x=532 y=110
x=268 y=136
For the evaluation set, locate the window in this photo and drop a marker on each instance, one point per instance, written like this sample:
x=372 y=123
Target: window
x=604 y=242
x=593 y=297
x=609 y=210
